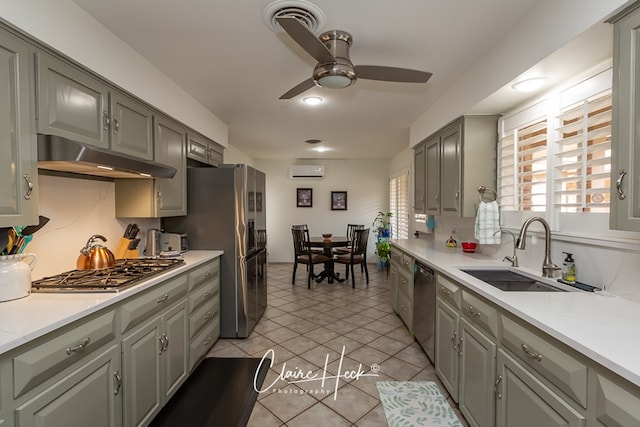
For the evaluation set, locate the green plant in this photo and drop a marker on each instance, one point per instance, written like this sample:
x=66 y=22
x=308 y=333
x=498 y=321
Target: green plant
x=383 y=250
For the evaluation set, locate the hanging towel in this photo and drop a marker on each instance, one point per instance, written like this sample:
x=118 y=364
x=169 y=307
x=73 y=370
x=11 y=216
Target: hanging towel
x=487 y=228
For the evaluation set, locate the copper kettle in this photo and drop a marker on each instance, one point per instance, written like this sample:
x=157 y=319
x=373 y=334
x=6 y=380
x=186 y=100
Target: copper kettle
x=95 y=256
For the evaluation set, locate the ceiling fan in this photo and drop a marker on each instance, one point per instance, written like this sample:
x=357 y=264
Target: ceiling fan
x=334 y=68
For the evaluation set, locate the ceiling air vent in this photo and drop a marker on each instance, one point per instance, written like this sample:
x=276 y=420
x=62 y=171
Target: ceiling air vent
x=305 y=12
x=306 y=171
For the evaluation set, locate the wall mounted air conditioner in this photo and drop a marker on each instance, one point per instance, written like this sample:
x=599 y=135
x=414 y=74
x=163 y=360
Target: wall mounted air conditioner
x=306 y=171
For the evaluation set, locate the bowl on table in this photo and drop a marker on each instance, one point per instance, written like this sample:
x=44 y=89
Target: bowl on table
x=327 y=236
x=469 y=247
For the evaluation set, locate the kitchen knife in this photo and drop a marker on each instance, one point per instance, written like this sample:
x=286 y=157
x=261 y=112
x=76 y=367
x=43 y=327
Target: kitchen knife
x=133 y=244
x=134 y=231
x=127 y=232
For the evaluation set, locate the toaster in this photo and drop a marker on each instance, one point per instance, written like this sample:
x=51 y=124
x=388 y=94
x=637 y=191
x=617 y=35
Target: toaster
x=173 y=242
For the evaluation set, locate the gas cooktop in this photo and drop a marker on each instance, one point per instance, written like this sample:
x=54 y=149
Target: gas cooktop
x=126 y=273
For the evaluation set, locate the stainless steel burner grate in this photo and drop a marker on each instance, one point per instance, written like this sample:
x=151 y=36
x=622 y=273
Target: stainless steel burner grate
x=125 y=273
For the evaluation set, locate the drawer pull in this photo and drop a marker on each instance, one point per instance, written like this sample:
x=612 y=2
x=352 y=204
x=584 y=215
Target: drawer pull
x=206 y=295
x=473 y=311
x=207 y=341
x=118 y=378
x=79 y=347
x=163 y=298
x=496 y=385
x=531 y=354
x=207 y=274
x=444 y=291
x=207 y=316
x=27 y=195
x=454 y=340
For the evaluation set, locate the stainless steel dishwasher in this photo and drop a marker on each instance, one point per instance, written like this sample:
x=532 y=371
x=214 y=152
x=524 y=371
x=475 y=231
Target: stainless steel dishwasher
x=424 y=308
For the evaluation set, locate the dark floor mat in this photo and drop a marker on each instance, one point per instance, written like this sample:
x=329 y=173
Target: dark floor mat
x=220 y=392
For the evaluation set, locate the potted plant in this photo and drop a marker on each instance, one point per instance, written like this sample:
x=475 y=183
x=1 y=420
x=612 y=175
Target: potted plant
x=382 y=226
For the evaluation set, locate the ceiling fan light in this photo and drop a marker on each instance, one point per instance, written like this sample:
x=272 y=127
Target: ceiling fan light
x=312 y=100
x=334 y=81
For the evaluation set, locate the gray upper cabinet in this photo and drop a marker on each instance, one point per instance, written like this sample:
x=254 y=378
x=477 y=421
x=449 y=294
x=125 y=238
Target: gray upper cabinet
x=18 y=150
x=418 y=179
x=459 y=158
x=131 y=126
x=625 y=156
x=76 y=105
x=203 y=150
x=71 y=103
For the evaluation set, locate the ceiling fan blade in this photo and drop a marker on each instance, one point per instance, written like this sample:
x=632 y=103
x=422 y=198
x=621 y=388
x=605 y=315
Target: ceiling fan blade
x=391 y=74
x=306 y=39
x=299 y=88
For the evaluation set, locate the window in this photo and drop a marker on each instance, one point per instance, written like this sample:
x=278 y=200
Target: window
x=554 y=158
x=522 y=177
x=583 y=160
x=399 y=206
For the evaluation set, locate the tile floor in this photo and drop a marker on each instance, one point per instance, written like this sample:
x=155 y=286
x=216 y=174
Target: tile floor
x=308 y=329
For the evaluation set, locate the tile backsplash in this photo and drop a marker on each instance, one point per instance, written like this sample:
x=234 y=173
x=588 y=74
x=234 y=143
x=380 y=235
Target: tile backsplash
x=78 y=209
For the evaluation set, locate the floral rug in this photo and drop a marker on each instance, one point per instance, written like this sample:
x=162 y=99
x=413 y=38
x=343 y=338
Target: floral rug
x=415 y=403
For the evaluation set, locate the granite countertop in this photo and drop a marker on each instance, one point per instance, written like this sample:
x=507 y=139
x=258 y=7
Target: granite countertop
x=602 y=327
x=28 y=318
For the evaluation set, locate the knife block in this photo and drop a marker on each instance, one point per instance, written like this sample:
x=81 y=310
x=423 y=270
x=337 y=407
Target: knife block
x=123 y=251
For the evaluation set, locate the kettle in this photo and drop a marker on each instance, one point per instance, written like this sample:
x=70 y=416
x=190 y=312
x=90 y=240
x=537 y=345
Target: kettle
x=95 y=256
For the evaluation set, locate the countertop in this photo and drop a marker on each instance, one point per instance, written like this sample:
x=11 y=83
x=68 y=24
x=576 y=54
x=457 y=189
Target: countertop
x=602 y=327
x=28 y=318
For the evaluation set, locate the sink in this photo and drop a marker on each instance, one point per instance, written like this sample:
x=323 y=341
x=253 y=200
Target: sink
x=510 y=281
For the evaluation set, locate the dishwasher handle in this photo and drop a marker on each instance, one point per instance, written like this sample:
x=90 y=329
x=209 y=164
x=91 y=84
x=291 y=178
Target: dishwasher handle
x=423 y=270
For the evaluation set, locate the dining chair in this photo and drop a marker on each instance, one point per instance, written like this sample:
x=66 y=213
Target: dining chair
x=350 y=229
x=303 y=254
x=305 y=227
x=358 y=255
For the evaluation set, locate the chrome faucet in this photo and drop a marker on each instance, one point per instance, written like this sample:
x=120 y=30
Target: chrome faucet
x=548 y=268
x=513 y=259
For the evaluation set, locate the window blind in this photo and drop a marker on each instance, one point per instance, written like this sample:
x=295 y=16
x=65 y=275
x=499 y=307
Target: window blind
x=583 y=158
x=522 y=169
x=399 y=206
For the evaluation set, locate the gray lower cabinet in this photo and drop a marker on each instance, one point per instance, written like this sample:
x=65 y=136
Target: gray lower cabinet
x=525 y=401
x=18 y=149
x=402 y=282
x=447 y=355
x=393 y=284
x=477 y=371
x=155 y=357
x=159 y=197
x=87 y=396
x=614 y=402
x=76 y=105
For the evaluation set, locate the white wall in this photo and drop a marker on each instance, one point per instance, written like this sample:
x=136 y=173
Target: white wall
x=367 y=186
x=77 y=209
x=549 y=26
x=233 y=155
x=64 y=26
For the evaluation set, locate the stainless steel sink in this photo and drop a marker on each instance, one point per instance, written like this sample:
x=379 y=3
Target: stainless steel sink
x=510 y=281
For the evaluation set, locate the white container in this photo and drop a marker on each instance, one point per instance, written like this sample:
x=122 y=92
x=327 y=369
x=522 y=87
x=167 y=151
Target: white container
x=15 y=276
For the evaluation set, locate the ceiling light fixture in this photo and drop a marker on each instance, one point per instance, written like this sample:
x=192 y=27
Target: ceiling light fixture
x=312 y=100
x=529 y=85
x=320 y=149
x=313 y=141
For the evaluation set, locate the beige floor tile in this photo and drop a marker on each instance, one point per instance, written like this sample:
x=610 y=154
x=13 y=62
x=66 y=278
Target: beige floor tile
x=322 y=335
x=261 y=417
x=373 y=418
x=254 y=344
x=398 y=369
x=288 y=402
x=350 y=402
x=414 y=355
x=319 y=415
x=387 y=345
x=362 y=335
x=280 y=335
x=299 y=345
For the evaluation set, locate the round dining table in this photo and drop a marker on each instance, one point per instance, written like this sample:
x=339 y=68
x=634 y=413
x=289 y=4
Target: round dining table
x=327 y=244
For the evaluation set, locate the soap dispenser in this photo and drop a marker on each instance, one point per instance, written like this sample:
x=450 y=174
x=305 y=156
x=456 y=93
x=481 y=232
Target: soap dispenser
x=569 y=269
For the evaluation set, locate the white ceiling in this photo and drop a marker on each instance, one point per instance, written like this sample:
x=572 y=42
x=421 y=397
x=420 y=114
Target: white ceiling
x=223 y=53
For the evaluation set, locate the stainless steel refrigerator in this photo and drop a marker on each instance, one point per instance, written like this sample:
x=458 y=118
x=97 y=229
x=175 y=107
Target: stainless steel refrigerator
x=226 y=210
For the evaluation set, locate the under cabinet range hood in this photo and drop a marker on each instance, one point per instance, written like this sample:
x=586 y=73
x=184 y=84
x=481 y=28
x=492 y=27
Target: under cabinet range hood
x=60 y=154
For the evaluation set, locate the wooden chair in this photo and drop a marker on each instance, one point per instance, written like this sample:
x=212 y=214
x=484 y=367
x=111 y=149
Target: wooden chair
x=303 y=254
x=350 y=229
x=358 y=255
x=305 y=227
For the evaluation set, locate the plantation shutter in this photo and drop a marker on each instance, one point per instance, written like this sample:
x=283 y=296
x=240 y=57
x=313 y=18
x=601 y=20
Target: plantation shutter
x=583 y=160
x=399 y=206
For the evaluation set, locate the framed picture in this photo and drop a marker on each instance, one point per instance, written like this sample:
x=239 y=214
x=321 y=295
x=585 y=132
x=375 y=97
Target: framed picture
x=338 y=200
x=304 y=197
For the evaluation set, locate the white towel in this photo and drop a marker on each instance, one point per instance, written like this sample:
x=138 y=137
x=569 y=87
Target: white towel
x=487 y=229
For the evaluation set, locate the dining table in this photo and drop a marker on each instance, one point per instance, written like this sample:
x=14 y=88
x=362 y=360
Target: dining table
x=327 y=245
